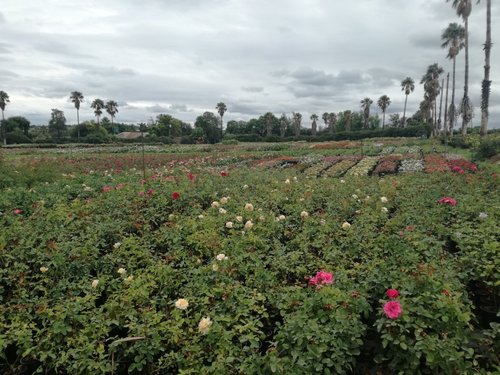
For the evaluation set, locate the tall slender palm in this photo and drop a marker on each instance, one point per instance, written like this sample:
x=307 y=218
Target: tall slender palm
x=485 y=92
x=332 y=119
x=221 y=109
x=384 y=102
x=76 y=98
x=297 y=119
x=269 y=123
x=98 y=106
x=112 y=109
x=408 y=86
x=324 y=116
x=432 y=89
x=365 y=106
x=4 y=99
x=314 y=126
x=453 y=38
x=464 y=8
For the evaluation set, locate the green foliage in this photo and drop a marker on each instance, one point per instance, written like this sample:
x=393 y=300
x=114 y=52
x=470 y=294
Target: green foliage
x=84 y=218
x=489 y=147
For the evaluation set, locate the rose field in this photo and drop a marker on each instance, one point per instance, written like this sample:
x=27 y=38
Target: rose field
x=377 y=257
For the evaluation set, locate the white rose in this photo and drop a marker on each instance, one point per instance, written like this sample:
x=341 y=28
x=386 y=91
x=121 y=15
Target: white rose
x=43 y=269
x=346 y=225
x=239 y=218
x=304 y=215
x=248 y=225
x=95 y=283
x=221 y=257
x=383 y=199
x=182 y=304
x=121 y=271
x=229 y=224
x=222 y=211
x=215 y=204
x=204 y=325
x=223 y=200
x=249 y=207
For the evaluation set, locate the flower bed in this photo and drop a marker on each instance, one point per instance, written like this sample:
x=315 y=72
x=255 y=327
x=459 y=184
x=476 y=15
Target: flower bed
x=387 y=165
x=341 y=167
x=363 y=167
x=411 y=165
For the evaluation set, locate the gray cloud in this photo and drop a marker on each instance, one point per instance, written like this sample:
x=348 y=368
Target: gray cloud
x=183 y=56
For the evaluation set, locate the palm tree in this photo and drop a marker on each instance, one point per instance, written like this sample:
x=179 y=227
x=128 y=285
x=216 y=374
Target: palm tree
x=332 y=119
x=407 y=85
x=347 y=116
x=324 y=116
x=365 y=106
x=453 y=38
x=432 y=88
x=485 y=92
x=77 y=97
x=4 y=99
x=297 y=119
x=383 y=103
x=464 y=8
x=269 y=123
x=283 y=124
x=97 y=105
x=221 y=109
x=314 y=126
x=112 y=109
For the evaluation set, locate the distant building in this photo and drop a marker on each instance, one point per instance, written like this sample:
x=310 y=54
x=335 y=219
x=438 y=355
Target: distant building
x=130 y=135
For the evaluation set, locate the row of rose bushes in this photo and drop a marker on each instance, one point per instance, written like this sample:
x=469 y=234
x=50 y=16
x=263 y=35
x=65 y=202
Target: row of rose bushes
x=249 y=272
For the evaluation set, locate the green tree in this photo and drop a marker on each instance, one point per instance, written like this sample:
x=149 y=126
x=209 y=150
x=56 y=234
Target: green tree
x=221 y=109
x=384 y=102
x=453 y=38
x=348 y=125
x=98 y=106
x=4 y=99
x=208 y=124
x=332 y=120
x=485 y=90
x=365 y=106
x=112 y=109
x=57 y=123
x=408 y=86
x=19 y=123
x=76 y=98
x=463 y=9
x=314 y=118
x=284 y=123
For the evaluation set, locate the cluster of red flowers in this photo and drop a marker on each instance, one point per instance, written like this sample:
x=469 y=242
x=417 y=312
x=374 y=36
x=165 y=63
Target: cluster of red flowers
x=393 y=309
x=448 y=200
x=388 y=164
x=436 y=163
x=321 y=278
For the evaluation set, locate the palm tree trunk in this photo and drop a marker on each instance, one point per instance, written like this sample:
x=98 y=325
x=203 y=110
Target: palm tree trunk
x=446 y=104
x=465 y=102
x=4 y=131
x=78 y=123
x=383 y=120
x=452 y=105
x=440 y=105
x=404 y=112
x=221 y=131
x=485 y=95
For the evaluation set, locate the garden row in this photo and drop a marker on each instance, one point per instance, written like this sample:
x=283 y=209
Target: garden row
x=204 y=270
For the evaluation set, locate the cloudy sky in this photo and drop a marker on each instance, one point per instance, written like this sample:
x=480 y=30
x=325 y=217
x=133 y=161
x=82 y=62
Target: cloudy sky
x=183 y=56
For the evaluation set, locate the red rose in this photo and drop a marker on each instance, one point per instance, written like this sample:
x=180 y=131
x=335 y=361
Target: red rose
x=392 y=293
x=175 y=195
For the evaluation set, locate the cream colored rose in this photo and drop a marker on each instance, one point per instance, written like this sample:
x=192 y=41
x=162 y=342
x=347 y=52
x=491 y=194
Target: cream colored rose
x=43 y=269
x=215 y=204
x=204 y=325
x=223 y=200
x=182 y=304
x=222 y=211
x=383 y=199
x=221 y=257
x=239 y=218
x=248 y=225
x=346 y=225
x=95 y=283
x=304 y=214
x=229 y=224
x=121 y=271
x=249 y=207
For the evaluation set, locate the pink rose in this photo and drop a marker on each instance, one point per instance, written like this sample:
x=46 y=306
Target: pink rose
x=107 y=188
x=393 y=309
x=321 y=278
x=448 y=200
x=175 y=195
x=17 y=211
x=392 y=293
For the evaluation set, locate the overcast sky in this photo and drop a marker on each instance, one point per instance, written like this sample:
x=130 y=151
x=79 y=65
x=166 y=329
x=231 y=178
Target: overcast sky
x=183 y=56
